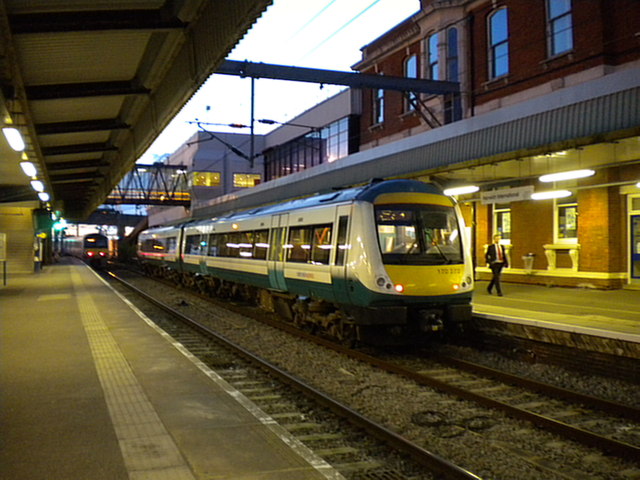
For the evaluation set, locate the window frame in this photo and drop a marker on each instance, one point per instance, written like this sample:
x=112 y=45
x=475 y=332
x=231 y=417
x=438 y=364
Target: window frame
x=411 y=65
x=556 y=36
x=564 y=203
x=495 y=45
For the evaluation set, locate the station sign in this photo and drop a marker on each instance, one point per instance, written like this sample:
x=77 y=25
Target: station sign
x=506 y=195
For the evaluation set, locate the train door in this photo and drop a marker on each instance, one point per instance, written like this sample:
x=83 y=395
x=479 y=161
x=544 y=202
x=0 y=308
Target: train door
x=275 y=260
x=635 y=250
x=341 y=246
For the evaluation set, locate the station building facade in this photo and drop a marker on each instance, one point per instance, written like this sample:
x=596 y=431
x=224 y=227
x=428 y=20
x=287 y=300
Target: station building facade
x=515 y=56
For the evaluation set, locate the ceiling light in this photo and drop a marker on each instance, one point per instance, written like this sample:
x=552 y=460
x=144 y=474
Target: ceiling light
x=557 y=177
x=29 y=169
x=37 y=185
x=550 y=194
x=44 y=196
x=14 y=137
x=461 y=190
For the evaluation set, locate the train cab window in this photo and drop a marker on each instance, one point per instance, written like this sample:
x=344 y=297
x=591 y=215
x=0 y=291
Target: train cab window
x=418 y=235
x=321 y=246
x=260 y=244
x=299 y=245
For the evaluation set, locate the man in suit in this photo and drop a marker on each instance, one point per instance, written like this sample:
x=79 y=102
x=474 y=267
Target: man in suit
x=496 y=258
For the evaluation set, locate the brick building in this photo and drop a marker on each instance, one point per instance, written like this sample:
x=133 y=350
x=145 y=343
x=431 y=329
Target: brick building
x=546 y=87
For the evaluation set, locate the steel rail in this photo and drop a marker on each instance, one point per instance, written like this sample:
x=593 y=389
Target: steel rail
x=426 y=458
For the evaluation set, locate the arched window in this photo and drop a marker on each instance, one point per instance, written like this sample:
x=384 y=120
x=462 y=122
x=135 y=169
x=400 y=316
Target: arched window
x=411 y=71
x=498 y=43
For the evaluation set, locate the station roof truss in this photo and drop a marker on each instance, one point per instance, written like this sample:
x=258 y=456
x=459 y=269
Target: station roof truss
x=156 y=184
x=90 y=84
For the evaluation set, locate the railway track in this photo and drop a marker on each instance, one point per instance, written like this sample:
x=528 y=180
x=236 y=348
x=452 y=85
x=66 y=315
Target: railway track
x=611 y=436
x=351 y=461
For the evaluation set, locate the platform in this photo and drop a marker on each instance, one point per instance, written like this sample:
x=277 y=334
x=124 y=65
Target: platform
x=90 y=390
x=606 y=321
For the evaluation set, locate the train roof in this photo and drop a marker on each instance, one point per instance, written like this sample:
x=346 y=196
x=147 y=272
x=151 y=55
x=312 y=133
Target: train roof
x=364 y=193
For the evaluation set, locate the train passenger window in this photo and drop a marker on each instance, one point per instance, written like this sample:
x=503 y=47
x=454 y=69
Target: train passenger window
x=321 y=246
x=213 y=250
x=260 y=244
x=245 y=244
x=342 y=240
x=299 y=245
x=171 y=244
x=195 y=245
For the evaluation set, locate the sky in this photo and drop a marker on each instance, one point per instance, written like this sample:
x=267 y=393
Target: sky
x=326 y=34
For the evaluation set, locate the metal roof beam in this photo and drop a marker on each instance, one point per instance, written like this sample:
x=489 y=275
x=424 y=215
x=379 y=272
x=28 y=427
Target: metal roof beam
x=79 y=148
x=76 y=177
x=92 y=89
x=81 y=126
x=333 y=77
x=58 y=166
x=50 y=22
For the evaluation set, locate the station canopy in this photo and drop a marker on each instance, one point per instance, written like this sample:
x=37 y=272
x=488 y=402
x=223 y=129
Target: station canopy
x=90 y=84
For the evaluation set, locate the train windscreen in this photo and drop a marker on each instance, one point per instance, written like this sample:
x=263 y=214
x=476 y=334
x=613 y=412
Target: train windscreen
x=418 y=235
x=96 y=241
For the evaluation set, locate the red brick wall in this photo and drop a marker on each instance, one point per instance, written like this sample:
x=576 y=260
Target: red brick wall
x=395 y=118
x=531 y=228
x=604 y=34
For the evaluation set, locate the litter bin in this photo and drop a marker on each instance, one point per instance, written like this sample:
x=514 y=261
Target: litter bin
x=528 y=262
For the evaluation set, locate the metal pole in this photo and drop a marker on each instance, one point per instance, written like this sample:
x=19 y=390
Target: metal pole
x=253 y=94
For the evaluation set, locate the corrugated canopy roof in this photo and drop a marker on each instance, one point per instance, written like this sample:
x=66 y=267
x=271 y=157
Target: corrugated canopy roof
x=91 y=83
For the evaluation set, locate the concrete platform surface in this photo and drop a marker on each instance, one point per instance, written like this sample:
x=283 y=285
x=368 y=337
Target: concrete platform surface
x=90 y=390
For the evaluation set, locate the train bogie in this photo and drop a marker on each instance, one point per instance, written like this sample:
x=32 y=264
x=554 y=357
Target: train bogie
x=384 y=263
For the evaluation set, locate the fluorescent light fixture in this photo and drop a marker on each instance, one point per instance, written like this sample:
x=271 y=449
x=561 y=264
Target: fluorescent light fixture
x=44 y=196
x=557 y=177
x=14 y=137
x=37 y=185
x=461 y=190
x=550 y=194
x=29 y=169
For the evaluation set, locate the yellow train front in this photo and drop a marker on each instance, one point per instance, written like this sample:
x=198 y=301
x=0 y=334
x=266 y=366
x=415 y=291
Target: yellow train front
x=384 y=263
x=410 y=272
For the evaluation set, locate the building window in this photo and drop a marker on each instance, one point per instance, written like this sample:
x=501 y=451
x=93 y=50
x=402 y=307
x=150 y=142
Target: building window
x=433 y=57
x=559 y=26
x=411 y=71
x=378 y=106
x=502 y=222
x=452 y=54
x=245 y=180
x=498 y=43
x=205 y=179
x=452 y=102
x=566 y=230
x=321 y=145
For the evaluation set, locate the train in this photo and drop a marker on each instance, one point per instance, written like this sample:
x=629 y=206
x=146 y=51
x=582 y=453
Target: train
x=94 y=248
x=386 y=263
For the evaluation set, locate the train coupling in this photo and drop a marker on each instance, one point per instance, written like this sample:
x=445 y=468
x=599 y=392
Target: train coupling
x=430 y=321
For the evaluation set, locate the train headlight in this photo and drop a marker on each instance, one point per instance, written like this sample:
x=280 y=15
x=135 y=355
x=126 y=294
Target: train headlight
x=456 y=286
x=380 y=281
x=398 y=287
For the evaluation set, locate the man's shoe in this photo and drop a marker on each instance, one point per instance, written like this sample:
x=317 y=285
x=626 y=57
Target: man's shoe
x=500 y=295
